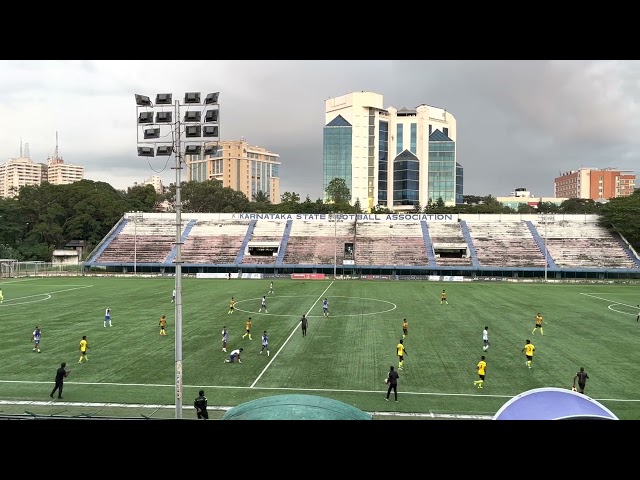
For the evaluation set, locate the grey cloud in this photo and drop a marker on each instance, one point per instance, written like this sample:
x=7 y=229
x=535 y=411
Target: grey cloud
x=519 y=122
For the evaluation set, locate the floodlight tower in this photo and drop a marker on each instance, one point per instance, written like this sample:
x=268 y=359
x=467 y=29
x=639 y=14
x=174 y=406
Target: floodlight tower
x=171 y=136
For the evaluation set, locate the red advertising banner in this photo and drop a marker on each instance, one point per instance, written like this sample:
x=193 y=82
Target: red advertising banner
x=308 y=276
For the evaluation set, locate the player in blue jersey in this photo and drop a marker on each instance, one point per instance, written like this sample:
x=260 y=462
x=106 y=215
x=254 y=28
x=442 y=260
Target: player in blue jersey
x=325 y=307
x=265 y=343
x=35 y=337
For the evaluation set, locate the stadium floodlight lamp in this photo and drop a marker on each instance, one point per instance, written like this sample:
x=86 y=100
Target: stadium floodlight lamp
x=192 y=150
x=150 y=133
x=192 y=97
x=210 y=131
x=145 y=117
x=145 y=151
x=192 y=116
x=211 y=98
x=164 y=117
x=211 y=150
x=192 y=131
x=164 y=150
x=211 y=116
x=143 y=101
x=163 y=99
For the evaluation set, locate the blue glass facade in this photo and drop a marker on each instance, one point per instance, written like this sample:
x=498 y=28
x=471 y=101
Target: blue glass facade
x=337 y=152
x=406 y=179
x=399 y=138
x=260 y=178
x=414 y=138
x=442 y=168
x=383 y=161
x=459 y=184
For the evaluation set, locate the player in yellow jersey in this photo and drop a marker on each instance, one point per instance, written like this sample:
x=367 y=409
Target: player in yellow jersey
x=1 y=296
x=232 y=306
x=528 y=352
x=163 y=325
x=443 y=298
x=248 y=329
x=84 y=346
x=402 y=351
x=538 y=325
x=482 y=369
x=405 y=328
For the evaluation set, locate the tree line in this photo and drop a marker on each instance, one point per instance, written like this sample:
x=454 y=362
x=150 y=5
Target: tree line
x=46 y=217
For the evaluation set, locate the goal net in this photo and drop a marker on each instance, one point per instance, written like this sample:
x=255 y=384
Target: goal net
x=7 y=267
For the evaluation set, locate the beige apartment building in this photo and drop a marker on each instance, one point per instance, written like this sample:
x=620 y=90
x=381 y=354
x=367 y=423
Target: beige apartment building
x=60 y=173
x=16 y=173
x=240 y=166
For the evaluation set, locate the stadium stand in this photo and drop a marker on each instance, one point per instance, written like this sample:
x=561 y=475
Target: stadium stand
x=447 y=236
x=265 y=231
x=580 y=244
x=390 y=244
x=315 y=242
x=214 y=242
x=151 y=240
x=505 y=244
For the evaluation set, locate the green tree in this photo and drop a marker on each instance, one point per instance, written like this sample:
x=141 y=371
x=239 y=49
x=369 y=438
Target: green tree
x=578 y=205
x=622 y=214
x=208 y=196
x=526 y=208
x=338 y=192
x=141 y=198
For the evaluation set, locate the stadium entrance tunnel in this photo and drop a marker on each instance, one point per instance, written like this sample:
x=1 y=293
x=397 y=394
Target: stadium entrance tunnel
x=295 y=407
x=552 y=403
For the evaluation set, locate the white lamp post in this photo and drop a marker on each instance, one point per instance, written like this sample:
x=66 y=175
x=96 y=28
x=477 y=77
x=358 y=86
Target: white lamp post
x=200 y=124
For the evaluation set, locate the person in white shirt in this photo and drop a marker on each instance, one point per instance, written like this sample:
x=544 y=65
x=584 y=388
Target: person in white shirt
x=235 y=355
x=107 y=317
x=485 y=339
x=173 y=297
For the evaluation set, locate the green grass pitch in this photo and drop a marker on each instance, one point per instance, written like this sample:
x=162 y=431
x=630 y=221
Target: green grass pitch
x=345 y=356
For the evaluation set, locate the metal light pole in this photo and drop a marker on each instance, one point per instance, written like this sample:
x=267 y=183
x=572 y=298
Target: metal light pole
x=545 y=218
x=137 y=215
x=194 y=133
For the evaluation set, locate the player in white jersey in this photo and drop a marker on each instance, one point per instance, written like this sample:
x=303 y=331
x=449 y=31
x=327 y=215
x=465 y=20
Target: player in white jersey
x=35 y=337
x=234 y=355
x=485 y=339
x=325 y=307
x=225 y=338
x=271 y=288
x=265 y=343
x=107 y=317
x=263 y=304
x=173 y=296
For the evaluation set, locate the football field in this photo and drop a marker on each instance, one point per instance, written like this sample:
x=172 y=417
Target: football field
x=345 y=356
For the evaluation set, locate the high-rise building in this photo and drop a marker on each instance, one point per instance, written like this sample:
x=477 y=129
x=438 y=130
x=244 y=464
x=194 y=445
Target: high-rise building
x=595 y=183
x=19 y=172
x=242 y=167
x=59 y=173
x=153 y=180
x=388 y=157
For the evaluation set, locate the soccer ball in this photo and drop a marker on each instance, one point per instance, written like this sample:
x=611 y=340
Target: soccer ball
x=386 y=380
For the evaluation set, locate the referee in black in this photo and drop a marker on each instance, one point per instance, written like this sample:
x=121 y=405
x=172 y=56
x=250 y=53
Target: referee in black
x=392 y=382
x=61 y=374
x=200 y=404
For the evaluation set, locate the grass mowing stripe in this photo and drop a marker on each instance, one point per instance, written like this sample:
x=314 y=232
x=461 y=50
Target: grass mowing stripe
x=289 y=337
x=607 y=300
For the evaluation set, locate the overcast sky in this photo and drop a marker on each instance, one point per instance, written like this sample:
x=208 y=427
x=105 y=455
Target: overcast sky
x=519 y=122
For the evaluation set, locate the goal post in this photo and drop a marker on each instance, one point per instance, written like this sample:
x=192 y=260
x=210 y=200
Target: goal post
x=8 y=267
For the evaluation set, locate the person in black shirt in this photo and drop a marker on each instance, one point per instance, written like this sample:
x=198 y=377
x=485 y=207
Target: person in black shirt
x=61 y=374
x=392 y=381
x=581 y=377
x=303 y=322
x=200 y=404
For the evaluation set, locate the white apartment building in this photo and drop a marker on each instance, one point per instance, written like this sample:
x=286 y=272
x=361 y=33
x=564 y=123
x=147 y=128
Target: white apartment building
x=394 y=158
x=153 y=180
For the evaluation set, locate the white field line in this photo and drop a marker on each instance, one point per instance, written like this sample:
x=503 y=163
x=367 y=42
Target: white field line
x=288 y=338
